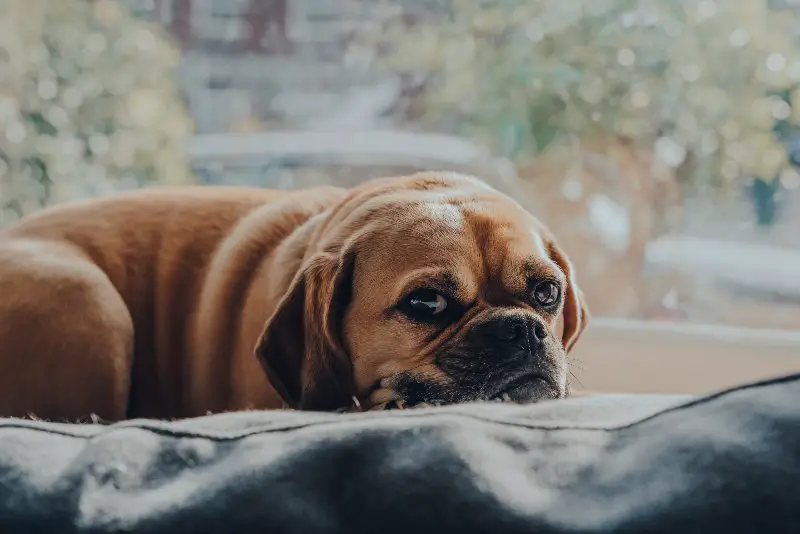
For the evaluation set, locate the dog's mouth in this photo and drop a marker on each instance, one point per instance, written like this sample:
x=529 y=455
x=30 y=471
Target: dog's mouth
x=529 y=388
x=402 y=404
x=524 y=389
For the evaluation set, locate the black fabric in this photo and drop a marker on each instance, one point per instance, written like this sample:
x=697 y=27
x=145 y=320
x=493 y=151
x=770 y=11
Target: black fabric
x=627 y=464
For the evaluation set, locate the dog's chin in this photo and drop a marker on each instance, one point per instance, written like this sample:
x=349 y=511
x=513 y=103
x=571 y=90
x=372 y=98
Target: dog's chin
x=531 y=389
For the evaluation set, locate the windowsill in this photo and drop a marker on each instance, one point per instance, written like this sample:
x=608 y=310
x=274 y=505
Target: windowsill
x=625 y=356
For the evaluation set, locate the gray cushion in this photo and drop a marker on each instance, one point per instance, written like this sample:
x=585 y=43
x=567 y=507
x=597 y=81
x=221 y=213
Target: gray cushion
x=639 y=464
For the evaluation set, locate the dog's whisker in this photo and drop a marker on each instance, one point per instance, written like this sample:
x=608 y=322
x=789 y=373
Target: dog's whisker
x=576 y=379
x=576 y=363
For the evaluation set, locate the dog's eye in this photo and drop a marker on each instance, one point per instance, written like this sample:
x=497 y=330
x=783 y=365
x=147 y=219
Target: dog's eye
x=546 y=293
x=425 y=303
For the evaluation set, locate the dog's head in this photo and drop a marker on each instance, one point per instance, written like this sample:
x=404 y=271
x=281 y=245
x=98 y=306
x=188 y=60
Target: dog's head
x=428 y=289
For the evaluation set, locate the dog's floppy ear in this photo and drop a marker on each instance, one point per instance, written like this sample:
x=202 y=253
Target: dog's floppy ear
x=576 y=313
x=301 y=346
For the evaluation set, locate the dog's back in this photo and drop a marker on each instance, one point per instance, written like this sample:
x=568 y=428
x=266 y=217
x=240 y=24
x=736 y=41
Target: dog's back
x=99 y=297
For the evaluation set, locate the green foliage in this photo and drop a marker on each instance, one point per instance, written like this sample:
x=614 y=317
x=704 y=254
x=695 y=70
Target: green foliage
x=701 y=77
x=89 y=104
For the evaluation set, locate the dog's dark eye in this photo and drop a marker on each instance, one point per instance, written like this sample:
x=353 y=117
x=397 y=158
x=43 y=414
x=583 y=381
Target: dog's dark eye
x=425 y=304
x=546 y=293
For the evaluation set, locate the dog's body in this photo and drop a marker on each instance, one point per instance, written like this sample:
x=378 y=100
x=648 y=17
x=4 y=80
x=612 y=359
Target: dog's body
x=151 y=304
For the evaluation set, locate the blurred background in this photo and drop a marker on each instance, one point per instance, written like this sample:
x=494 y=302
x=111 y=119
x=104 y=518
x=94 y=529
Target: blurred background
x=660 y=139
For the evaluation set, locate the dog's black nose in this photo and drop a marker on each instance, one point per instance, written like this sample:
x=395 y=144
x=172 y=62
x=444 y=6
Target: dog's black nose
x=512 y=329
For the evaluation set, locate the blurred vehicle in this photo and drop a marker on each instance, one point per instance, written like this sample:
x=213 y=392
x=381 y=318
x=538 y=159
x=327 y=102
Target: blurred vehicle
x=291 y=159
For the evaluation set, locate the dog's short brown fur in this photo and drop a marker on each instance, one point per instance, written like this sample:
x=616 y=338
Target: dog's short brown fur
x=152 y=303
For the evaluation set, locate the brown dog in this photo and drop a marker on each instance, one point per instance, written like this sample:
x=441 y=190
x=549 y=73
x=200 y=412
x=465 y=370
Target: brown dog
x=431 y=289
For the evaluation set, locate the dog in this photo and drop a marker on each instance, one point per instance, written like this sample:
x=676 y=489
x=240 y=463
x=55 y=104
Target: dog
x=432 y=288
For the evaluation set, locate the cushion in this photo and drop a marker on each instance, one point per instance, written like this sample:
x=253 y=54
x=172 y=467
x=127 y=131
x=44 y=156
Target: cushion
x=729 y=462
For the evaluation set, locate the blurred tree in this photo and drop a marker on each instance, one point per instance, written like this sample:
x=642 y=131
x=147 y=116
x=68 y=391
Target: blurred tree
x=701 y=81
x=88 y=104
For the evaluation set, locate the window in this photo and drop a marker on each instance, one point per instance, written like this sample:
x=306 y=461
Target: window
x=658 y=139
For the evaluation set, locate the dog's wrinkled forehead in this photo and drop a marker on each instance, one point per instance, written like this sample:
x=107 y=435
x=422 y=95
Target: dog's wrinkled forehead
x=481 y=236
x=491 y=222
x=436 y=220
x=422 y=203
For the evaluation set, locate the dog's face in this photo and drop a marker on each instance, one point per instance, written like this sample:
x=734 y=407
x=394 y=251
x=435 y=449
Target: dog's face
x=429 y=289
